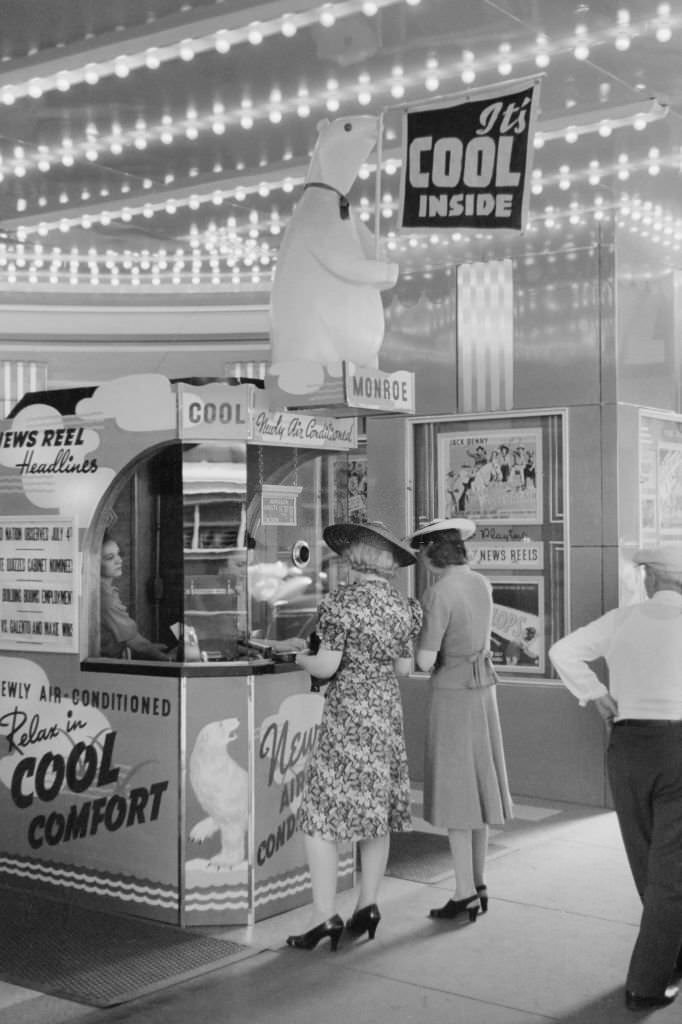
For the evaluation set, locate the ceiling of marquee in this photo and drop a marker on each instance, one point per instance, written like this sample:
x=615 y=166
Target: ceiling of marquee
x=163 y=144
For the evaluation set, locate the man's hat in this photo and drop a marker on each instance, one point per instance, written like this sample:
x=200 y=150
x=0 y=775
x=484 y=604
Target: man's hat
x=466 y=527
x=664 y=558
x=340 y=536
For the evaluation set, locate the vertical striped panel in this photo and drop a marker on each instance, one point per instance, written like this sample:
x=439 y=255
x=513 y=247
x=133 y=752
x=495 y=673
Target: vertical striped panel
x=17 y=377
x=251 y=370
x=485 y=336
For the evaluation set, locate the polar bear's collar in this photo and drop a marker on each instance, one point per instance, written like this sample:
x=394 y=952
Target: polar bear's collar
x=343 y=200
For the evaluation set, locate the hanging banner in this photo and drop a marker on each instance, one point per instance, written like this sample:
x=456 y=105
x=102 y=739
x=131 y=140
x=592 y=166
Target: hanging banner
x=467 y=160
x=278 y=505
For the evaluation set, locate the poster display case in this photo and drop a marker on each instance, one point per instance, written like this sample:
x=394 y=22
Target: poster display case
x=507 y=473
x=660 y=478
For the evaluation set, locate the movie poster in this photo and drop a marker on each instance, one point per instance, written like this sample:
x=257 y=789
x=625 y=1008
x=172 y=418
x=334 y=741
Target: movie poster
x=517 y=639
x=348 y=490
x=494 y=476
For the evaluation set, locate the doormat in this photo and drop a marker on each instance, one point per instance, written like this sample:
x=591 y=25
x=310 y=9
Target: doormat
x=96 y=958
x=421 y=856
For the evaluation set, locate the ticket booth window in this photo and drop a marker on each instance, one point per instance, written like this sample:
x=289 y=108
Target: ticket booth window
x=215 y=553
x=221 y=546
x=175 y=516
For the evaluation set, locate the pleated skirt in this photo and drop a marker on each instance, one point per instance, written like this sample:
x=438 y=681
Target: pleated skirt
x=465 y=775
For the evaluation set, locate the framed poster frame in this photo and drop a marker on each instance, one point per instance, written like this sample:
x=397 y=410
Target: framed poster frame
x=527 y=547
x=660 y=477
x=518 y=627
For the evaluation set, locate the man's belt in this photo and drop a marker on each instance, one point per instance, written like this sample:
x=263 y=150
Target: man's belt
x=648 y=721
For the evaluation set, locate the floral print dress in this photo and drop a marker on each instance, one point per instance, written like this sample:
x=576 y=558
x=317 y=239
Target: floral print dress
x=356 y=783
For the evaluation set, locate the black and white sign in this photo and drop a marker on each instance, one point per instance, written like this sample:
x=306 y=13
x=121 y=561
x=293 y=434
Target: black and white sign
x=466 y=162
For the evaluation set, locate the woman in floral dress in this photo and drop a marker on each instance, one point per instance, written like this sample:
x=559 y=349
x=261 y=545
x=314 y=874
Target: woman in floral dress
x=356 y=784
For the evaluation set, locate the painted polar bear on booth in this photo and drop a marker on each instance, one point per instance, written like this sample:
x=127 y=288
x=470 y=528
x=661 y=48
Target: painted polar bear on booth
x=325 y=304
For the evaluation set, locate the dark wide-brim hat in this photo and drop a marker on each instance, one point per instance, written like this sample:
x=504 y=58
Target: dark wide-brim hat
x=340 y=536
x=466 y=527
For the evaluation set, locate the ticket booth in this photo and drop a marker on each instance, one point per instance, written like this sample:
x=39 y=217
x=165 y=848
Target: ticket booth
x=163 y=787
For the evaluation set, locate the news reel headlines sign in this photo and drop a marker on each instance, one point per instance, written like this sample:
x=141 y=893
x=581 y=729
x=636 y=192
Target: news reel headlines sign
x=38 y=574
x=466 y=161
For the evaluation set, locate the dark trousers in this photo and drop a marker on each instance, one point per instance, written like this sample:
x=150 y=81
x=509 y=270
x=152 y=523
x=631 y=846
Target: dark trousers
x=645 y=772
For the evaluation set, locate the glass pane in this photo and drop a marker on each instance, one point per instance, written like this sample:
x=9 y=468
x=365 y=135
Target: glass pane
x=290 y=566
x=215 y=552
x=139 y=565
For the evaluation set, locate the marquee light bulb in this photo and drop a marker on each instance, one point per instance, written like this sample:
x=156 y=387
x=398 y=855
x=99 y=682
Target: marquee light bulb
x=222 y=41
x=582 y=49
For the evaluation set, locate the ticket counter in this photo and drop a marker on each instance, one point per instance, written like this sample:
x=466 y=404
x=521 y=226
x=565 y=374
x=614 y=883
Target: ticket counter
x=165 y=788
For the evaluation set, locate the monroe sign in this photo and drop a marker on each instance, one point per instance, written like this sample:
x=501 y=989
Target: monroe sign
x=466 y=163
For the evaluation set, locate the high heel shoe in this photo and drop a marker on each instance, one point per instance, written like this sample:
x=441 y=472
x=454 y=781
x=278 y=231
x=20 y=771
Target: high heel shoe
x=453 y=908
x=364 y=920
x=331 y=928
x=482 y=891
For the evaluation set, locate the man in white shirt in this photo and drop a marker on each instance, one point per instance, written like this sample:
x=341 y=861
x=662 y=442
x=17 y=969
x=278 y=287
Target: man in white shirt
x=642 y=707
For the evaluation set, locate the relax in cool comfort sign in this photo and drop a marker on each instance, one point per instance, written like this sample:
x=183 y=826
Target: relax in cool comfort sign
x=466 y=161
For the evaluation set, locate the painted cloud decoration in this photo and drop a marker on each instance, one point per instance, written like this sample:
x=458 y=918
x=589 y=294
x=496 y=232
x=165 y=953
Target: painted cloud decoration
x=140 y=402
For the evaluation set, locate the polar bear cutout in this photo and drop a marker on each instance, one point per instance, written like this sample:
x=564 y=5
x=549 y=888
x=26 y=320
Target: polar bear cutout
x=221 y=787
x=325 y=304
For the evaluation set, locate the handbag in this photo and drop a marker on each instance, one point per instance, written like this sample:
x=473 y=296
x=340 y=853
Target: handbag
x=483 y=671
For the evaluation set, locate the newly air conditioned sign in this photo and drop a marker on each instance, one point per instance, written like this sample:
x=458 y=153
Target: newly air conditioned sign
x=466 y=162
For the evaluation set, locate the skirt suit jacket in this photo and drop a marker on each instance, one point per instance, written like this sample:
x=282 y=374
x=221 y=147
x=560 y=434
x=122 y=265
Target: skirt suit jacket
x=465 y=776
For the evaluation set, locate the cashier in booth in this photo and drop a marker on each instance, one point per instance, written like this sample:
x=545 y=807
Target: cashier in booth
x=119 y=635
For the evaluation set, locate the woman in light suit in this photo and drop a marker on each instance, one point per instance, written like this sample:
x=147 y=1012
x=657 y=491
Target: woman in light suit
x=465 y=777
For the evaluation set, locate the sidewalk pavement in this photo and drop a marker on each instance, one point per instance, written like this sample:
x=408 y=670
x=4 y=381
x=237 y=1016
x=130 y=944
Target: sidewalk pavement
x=554 y=946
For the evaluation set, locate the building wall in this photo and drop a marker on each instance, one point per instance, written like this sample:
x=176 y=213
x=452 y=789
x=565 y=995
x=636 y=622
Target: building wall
x=564 y=357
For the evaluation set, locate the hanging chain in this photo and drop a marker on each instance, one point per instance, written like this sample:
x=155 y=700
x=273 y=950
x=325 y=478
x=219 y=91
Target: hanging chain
x=261 y=468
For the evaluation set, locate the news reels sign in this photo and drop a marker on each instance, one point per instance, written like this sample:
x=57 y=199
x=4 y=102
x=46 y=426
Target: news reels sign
x=466 y=161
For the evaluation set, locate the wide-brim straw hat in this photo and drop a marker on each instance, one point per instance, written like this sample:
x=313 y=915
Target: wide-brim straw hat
x=664 y=557
x=340 y=536
x=466 y=527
